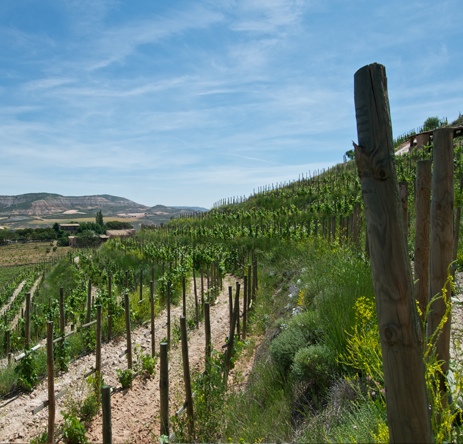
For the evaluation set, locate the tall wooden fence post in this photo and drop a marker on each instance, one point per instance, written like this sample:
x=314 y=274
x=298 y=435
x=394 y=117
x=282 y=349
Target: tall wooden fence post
x=421 y=254
x=441 y=247
x=400 y=335
x=207 y=330
x=98 y=342
x=129 y=332
x=51 y=383
x=153 y=333
x=164 y=389
x=110 y=302
x=89 y=301
x=186 y=377
x=28 y=321
x=106 y=407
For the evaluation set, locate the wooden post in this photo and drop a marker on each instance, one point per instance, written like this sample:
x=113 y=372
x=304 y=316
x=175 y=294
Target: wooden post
x=164 y=389
x=98 y=342
x=184 y=295
x=186 y=377
x=245 y=303
x=89 y=300
x=231 y=335
x=207 y=329
x=441 y=247
x=141 y=285
x=169 y=298
x=153 y=333
x=421 y=254
x=62 y=323
x=196 y=298
x=28 y=321
x=249 y=284
x=110 y=302
x=400 y=335
x=129 y=332
x=8 y=345
x=202 y=290
x=51 y=383
x=403 y=191
x=456 y=227
x=106 y=407
x=230 y=304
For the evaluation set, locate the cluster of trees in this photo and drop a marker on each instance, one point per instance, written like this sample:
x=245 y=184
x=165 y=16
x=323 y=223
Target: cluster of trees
x=88 y=231
x=27 y=235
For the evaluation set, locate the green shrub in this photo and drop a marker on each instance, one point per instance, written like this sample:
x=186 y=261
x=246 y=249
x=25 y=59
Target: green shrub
x=26 y=371
x=300 y=331
x=314 y=363
x=285 y=346
x=73 y=430
x=125 y=377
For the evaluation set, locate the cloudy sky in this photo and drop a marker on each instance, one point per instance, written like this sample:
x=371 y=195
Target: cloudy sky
x=187 y=102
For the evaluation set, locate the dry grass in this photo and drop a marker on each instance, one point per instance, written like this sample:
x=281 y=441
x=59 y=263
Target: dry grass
x=29 y=253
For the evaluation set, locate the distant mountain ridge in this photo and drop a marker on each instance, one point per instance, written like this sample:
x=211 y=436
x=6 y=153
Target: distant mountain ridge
x=46 y=204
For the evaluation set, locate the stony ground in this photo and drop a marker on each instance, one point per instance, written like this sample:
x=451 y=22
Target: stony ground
x=135 y=412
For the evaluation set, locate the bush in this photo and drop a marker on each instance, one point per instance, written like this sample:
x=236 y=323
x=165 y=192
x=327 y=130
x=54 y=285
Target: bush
x=73 y=430
x=285 y=346
x=301 y=330
x=314 y=363
x=125 y=377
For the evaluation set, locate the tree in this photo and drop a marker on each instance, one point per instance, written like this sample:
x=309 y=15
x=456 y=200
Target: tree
x=431 y=123
x=99 y=218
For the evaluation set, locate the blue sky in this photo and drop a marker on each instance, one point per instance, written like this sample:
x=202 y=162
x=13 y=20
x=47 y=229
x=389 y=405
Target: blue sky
x=188 y=102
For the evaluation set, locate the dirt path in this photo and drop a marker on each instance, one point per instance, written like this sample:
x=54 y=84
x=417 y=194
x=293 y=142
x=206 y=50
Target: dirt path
x=135 y=412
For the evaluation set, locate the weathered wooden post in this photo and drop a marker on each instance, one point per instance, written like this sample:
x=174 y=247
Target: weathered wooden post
x=89 y=301
x=441 y=246
x=8 y=345
x=62 y=321
x=196 y=298
x=169 y=298
x=400 y=335
x=403 y=191
x=153 y=335
x=98 y=342
x=51 y=383
x=28 y=321
x=129 y=332
x=186 y=377
x=231 y=335
x=106 y=407
x=184 y=295
x=207 y=330
x=164 y=389
x=421 y=254
x=110 y=302
x=245 y=303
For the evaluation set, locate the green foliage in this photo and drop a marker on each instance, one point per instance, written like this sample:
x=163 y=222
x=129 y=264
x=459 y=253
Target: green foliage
x=363 y=349
x=40 y=438
x=61 y=355
x=73 y=430
x=26 y=371
x=285 y=346
x=431 y=123
x=125 y=377
x=314 y=364
x=99 y=219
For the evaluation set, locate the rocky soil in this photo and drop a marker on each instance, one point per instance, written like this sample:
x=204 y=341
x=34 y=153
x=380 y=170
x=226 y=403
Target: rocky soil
x=135 y=412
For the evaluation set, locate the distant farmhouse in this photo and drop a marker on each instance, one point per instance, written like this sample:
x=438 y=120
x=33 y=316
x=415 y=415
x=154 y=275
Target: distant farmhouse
x=69 y=228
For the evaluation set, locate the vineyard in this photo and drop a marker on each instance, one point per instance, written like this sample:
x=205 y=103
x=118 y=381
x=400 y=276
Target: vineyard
x=252 y=322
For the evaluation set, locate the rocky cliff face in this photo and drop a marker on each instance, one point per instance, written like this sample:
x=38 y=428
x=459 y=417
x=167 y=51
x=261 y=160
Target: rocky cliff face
x=41 y=204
